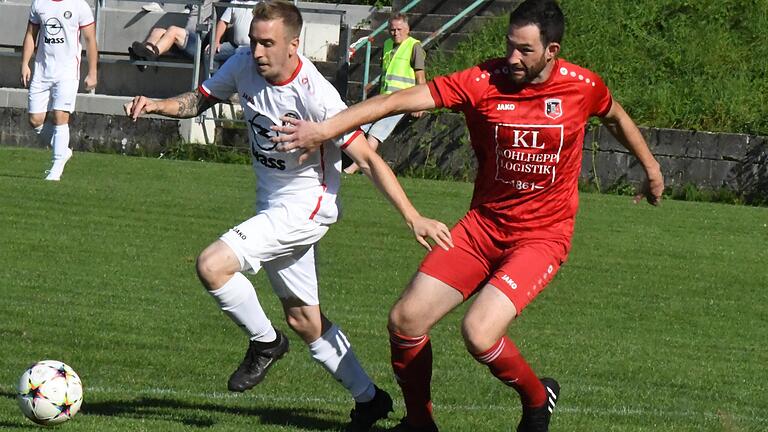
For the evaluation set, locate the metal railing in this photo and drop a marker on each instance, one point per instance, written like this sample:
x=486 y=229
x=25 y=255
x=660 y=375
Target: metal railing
x=200 y=27
x=368 y=41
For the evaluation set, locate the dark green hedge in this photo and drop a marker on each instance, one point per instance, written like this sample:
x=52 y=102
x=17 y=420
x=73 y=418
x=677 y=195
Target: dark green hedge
x=687 y=64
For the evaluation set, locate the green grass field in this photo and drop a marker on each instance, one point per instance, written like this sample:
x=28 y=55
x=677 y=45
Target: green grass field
x=658 y=322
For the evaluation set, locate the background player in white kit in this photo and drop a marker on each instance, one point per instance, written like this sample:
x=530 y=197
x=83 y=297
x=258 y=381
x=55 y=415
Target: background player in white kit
x=53 y=85
x=296 y=204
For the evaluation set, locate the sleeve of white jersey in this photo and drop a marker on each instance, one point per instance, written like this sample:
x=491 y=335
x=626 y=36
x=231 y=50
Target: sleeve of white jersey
x=227 y=16
x=85 y=15
x=34 y=18
x=222 y=84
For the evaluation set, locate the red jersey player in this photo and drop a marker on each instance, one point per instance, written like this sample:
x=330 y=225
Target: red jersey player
x=526 y=115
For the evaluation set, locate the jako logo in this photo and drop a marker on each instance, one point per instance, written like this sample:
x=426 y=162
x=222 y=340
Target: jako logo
x=509 y=281
x=505 y=107
x=239 y=234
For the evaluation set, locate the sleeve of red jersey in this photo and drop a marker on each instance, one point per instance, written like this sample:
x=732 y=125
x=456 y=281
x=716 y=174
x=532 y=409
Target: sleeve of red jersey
x=455 y=91
x=600 y=98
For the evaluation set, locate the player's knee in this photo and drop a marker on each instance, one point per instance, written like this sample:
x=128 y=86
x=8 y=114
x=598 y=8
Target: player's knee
x=60 y=117
x=36 y=123
x=477 y=336
x=209 y=270
x=302 y=325
x=403 y=321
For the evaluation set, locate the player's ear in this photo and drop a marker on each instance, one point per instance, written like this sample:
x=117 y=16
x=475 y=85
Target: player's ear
x=293 y=45
x=552 y=50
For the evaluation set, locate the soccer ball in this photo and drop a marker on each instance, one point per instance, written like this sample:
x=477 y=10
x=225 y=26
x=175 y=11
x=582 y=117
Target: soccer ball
x=49 y=392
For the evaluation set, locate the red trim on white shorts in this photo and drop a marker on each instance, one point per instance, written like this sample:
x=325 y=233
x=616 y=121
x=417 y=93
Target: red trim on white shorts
x=322 y=183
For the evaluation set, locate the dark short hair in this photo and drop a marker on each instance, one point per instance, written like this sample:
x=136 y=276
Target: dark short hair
x=545 y=14
x=399 y=16
x=276 y=9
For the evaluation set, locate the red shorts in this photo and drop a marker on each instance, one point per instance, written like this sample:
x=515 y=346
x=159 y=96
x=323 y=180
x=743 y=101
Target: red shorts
x=520 y=267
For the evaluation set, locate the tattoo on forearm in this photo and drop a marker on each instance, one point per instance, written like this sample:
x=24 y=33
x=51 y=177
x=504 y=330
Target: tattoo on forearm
x=191 y=104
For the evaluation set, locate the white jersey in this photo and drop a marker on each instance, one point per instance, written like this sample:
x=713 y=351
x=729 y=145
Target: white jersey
x=58 y=40
x=240 y=19
x=309 y=189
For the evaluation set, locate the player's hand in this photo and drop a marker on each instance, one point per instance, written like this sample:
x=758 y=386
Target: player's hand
x=652 y=188
x=423 y=227
x=298 y=134
x=138 y=106
x=26 y=75
x=90 y=82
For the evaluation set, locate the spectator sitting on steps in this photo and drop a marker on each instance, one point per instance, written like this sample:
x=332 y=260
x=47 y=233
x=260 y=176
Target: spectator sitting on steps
x=186 y=39
x=161 y=40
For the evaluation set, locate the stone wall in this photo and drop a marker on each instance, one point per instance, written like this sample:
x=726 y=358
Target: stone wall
x=96 y=133
x=437 y=145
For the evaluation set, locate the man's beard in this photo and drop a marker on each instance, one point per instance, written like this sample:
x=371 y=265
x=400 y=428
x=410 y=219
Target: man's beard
x=531 y=73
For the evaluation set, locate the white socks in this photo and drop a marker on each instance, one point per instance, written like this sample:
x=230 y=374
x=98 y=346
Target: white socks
x=237 y=298
x=61 y=151
x=333 y=351
x=60 y=142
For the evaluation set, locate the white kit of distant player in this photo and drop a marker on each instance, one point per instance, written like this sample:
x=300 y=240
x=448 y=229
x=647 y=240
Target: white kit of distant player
x=57 y=67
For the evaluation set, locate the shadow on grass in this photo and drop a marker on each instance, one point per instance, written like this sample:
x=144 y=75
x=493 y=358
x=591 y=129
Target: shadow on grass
x=36 y=176
x=183 y=412
x=28 y=425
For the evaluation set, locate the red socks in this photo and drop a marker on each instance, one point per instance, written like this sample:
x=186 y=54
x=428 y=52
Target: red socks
x=507 y=364
x=412 y=365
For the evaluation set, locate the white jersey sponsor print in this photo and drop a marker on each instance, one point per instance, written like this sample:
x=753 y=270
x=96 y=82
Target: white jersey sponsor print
x=310 y=188
x=58 y=39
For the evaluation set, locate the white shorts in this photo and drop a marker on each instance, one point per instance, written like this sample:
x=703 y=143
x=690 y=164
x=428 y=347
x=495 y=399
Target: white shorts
x=285 y=246
x=382 y=128
x=47 y=96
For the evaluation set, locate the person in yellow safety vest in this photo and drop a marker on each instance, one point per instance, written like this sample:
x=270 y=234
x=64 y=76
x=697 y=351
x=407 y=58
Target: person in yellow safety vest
x=402 y=66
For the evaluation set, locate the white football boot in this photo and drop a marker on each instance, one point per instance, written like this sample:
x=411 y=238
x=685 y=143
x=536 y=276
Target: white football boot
x=54 y=174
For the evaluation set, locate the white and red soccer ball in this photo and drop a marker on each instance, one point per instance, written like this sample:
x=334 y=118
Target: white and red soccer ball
x=49 y=392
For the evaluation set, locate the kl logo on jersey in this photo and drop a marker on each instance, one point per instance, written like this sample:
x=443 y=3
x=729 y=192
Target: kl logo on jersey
x=527 y=155
x=553 y=108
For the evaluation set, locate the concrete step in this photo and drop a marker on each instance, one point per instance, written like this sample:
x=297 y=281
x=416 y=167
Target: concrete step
x=355 y=71
x=433 y=21
x=454 y=7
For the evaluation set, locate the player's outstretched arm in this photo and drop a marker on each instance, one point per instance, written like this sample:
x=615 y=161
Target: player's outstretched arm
x=373 y=166
x=27 y=49
x=92 y=52
x=307 y=136
x=185 y=105
x=625 y=130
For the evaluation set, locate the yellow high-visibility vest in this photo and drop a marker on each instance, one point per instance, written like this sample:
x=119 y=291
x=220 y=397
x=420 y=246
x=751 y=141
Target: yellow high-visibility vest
x=396 y=66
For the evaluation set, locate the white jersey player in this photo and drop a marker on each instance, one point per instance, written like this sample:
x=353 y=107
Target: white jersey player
x=297 y=201
x=54 y=28
x=310 y=187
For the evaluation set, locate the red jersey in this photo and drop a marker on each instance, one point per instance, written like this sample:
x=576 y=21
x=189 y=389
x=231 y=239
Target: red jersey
x=527 y=140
